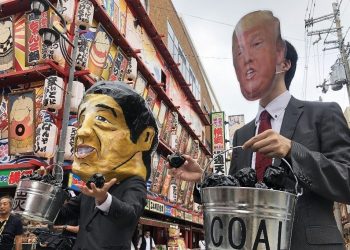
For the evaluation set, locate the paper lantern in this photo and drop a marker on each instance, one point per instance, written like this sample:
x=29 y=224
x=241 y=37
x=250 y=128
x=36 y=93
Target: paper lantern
x=69 y=146
x=45 y=140
x=172 y=194
x=78 y=90
x=67 y=9
x=83 y=53
x=85 y=14
x=53 y=92
x=131 y=70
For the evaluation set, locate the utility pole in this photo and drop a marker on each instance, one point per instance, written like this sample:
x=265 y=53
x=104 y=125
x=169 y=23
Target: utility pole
x=338 y=44
x=341 y=43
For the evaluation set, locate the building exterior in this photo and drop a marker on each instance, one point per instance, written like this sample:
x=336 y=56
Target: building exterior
x=344 y=208
x=131 y=40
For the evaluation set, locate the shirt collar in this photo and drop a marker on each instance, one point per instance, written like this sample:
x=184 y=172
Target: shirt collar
x=276 y=107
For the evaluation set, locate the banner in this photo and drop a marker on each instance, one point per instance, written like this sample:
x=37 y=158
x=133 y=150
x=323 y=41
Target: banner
x=21 y=120
x=11 y=177
x=99 y=51
x=218 y=141
x=7 y=54
x=234 y=122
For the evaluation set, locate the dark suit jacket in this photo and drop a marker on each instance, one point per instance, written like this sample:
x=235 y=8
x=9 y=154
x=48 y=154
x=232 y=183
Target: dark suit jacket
x=320 y=157
x=113 y=230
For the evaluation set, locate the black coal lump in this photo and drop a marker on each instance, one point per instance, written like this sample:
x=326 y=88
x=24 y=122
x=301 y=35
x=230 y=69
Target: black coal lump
x=216 y=180
x=246 y=177
x=48 y=178
x=261 y=185
x=36 y=177
x=98 y=179
x=274 y=177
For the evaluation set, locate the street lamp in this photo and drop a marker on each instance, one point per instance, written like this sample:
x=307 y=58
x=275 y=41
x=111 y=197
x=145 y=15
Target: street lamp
x=39 y=6
x=51 y=35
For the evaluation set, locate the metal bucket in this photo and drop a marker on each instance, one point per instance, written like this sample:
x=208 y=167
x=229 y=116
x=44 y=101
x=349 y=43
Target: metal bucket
x=247 y=218
x=38 y=201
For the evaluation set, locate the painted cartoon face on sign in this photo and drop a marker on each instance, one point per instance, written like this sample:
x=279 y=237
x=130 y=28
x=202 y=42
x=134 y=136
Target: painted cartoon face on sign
x=257 y=52
x=117 y=133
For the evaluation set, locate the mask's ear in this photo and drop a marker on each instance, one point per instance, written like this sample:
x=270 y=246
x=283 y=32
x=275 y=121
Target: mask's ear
x=144 y=142
x=286 y=65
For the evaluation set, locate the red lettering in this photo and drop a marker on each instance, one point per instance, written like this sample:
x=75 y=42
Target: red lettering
x=34 y=27
x=75 y=181
x=218 y=135
x=34 y=43
x=14 y=177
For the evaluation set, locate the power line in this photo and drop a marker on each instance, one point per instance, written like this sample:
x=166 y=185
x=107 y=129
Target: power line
x=333 y=21
x=198 y=17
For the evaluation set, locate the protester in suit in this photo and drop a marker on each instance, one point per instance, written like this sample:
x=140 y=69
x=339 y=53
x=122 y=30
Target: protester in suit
x=116 y=136
x=312 y=136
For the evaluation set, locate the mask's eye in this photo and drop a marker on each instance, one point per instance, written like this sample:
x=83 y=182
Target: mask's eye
x=258 y=43
x=101 y=119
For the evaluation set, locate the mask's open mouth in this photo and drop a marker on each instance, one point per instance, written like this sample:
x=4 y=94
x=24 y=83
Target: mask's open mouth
x=83 y=151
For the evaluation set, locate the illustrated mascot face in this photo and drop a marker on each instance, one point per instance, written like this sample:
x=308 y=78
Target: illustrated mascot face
x=117 y=133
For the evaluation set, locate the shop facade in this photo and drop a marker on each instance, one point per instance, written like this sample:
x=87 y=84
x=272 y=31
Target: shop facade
x=117 y=40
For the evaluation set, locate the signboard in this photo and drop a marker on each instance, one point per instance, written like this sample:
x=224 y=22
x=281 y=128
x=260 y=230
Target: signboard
x=234 y=122
x=188 y=216
x=156 y=207
x=34 y=42
x=147 y=205
x=11 y=177
x=180 y=214
x=218 y=141
x=169 y=210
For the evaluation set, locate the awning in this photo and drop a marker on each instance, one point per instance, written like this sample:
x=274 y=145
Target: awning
x=155 y=223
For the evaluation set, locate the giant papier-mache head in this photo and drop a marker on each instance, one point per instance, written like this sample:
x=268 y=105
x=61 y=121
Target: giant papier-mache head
x=258 y=52
x=117 y=133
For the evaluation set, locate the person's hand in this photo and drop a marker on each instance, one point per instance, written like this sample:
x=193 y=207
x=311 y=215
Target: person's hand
x=100 y=194
x=59 y=227
x=189 y=171
x=270 y=144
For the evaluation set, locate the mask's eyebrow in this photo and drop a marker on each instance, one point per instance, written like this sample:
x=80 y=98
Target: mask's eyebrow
x=107 y=107
x=82 y=111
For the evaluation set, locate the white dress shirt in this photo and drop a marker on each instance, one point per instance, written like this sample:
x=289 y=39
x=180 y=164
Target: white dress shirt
x=104 y=207
x=276 y=108
x=148 y=243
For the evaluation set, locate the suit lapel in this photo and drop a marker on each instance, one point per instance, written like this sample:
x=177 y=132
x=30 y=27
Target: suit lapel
x=94 y=210
x=291 y=116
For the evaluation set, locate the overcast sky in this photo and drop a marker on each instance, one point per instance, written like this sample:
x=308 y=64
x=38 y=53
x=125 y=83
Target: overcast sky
x=211 y=23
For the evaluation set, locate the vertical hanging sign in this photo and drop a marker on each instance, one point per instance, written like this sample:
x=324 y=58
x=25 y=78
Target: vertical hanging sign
x=34 y=23
x=218 y=141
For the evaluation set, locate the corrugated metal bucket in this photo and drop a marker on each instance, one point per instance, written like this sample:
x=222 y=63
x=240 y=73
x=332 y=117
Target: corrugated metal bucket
x=247 y=218
x=38 y=201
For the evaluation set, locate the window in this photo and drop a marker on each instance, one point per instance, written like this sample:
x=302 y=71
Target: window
x=184 y=67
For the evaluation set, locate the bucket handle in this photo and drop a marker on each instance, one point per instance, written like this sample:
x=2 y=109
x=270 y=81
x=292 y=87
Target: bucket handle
x=57 y=172
x=241 y=147
x=298 y=193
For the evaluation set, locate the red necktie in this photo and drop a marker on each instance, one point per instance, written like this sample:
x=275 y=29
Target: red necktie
x=261 y=161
